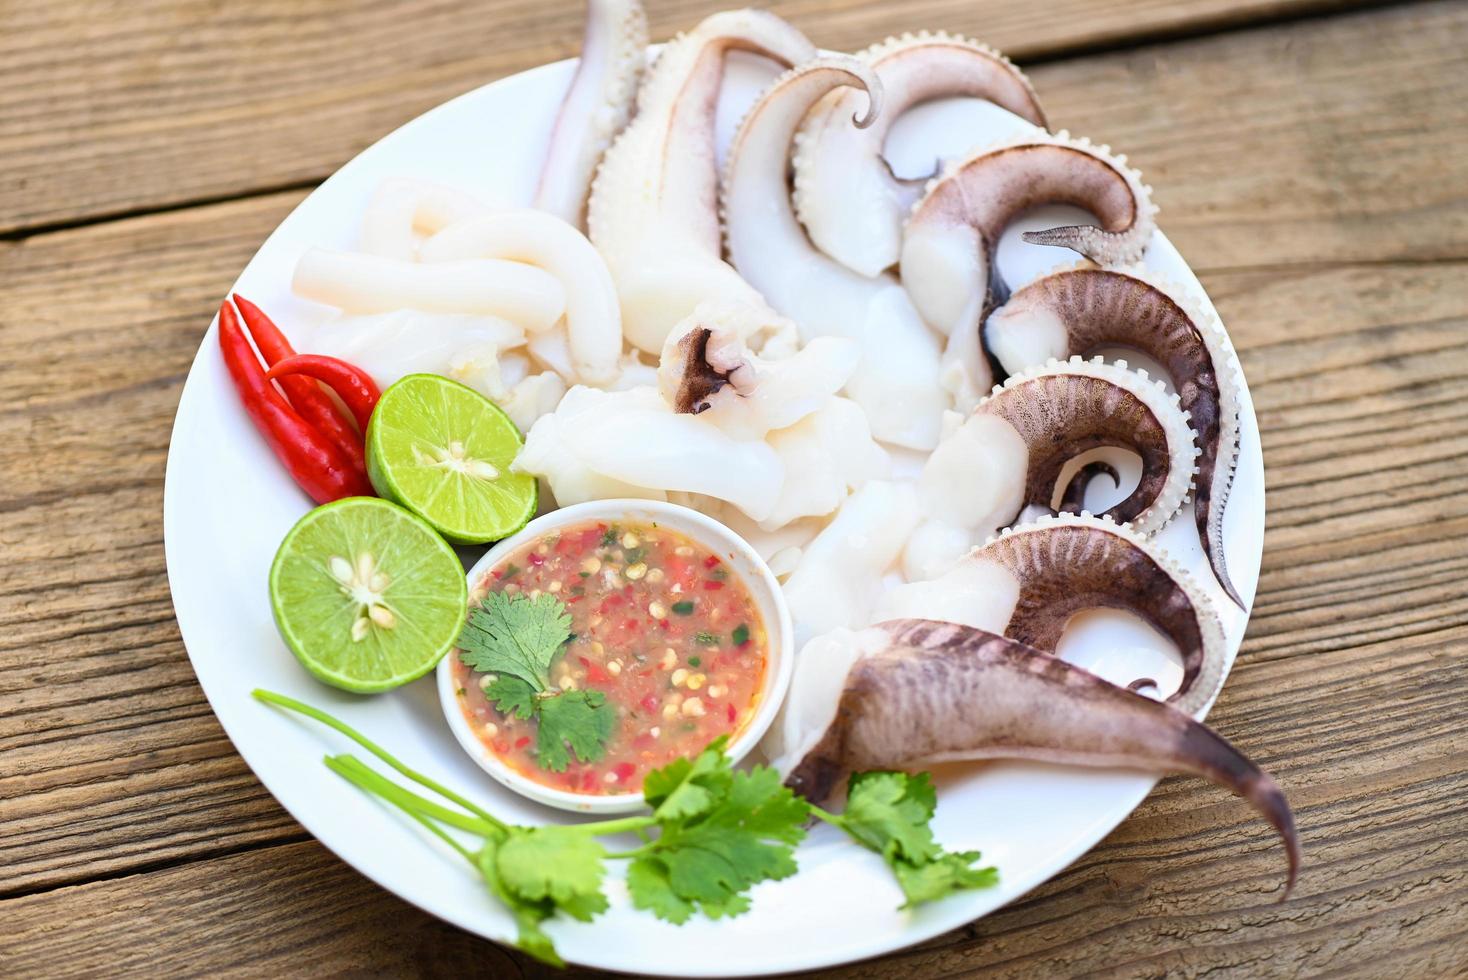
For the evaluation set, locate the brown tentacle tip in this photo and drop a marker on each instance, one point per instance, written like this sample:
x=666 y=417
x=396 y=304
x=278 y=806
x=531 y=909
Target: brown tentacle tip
x=1073 y=500
x=1068 y=236
x=701 y=380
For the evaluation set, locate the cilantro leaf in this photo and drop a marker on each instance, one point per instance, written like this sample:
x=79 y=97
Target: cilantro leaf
x=579 y=719
x=515 y=635
x=563 y=864
x=952 y=871
x=529 y=914
x=889 y=812
x=685 y=788
x=651 y=890
x=722 y=833
x=512 y=696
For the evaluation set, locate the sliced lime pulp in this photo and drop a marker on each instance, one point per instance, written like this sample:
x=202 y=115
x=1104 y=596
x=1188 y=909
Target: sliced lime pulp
x=366 y=595
x=443 y=451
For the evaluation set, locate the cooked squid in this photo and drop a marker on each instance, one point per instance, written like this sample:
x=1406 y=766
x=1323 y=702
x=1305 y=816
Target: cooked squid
x=391 y=345
x=1030 y=582
x=1012 y=451
x=654 y=205
x=840 y=573
x=596 y=107
x=897 y=379
x=633 y=437
x=568 y=478
x=827 y=454
x=530 y=298
x=849 y=200
x=913 y=692
x=1080 y=309
x=709 y=369
x=950 y=241
x=404 y=209
x=593 y=320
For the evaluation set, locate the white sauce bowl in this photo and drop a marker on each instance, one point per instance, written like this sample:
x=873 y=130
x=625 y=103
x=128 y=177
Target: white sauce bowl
x=742 y=560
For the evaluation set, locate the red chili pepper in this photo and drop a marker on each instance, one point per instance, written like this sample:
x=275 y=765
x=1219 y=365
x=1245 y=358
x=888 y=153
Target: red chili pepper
x=352 y=385
x=305 y=395
x=314 y=463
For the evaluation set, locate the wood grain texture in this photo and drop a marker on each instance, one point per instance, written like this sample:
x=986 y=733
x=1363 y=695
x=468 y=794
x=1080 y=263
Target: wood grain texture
x=1316 y=184
x=110 y=107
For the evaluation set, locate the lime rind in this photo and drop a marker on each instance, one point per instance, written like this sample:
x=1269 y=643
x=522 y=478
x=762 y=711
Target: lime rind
x=425 y=436
x=427 y=595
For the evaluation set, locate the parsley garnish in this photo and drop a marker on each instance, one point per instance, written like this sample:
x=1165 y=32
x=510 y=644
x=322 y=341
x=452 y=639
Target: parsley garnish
x=695 y=661
x=714 y=832
x=741 y=635
x=684 y=608
x=707 y=639
x=515 y=638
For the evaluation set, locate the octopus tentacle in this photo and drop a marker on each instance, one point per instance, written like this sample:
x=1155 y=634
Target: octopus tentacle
x=1070 y=563
x=1078 y=309
x=917 y=692
x=897 y=380
x=949 y=244
x=654 y=204
x=1063 y=409
x=845 y=193
x=597 y=106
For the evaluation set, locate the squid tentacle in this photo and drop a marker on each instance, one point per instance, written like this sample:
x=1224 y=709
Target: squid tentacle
x=897 y=380
x=1073 y=498
x=918 y=692
x=1064 y=408
x=597 y=106
x=1069 y=563
x=1076 y=309
x=948 y=249
x=653 y=211
x=846 y=195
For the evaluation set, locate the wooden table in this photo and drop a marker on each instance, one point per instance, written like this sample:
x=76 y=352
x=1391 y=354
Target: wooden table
x=1311 y=160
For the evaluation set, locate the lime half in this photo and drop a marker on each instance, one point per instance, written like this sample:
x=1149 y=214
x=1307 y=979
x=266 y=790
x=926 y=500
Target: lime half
x=366 y=595
x=444 y=451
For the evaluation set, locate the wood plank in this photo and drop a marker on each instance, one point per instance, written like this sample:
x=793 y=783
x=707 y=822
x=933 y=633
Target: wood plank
x=112 y=108
x=103 y=728
x=1326 y=142
x=340 y=924
x=1351 y=685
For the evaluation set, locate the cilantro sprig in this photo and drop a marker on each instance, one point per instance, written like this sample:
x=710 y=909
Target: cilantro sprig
x=890 y=812
x=514 y=639
x=713 y=834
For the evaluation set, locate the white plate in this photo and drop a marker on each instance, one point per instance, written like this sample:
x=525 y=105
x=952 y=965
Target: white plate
x=228 y=503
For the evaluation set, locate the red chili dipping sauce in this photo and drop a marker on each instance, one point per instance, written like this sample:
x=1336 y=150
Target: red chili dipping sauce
x=661 y=625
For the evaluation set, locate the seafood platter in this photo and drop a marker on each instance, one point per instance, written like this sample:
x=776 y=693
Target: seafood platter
x=723 y=506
